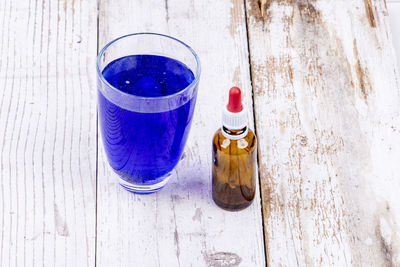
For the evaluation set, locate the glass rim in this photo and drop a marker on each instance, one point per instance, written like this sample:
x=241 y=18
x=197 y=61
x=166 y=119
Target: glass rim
x=191 y=85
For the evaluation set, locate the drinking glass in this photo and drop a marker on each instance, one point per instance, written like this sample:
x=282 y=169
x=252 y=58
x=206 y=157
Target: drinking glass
x=147 y=88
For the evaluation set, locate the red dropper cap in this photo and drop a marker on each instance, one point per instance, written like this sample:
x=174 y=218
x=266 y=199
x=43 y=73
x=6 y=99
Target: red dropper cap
x=235 y=100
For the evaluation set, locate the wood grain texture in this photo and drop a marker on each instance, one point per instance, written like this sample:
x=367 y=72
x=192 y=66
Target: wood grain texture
x=327 y=117
x=180 y=225
x=48 y=130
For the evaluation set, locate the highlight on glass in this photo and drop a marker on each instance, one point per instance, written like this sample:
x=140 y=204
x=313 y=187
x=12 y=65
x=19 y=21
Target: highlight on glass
x=147 y=88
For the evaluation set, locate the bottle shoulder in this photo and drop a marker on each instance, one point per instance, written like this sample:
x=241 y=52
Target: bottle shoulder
x=246 y=144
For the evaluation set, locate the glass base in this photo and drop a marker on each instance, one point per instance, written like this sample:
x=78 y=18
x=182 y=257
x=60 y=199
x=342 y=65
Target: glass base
x=141 y=188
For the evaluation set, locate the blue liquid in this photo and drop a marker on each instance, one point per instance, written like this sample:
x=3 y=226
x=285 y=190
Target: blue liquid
x=143 y=148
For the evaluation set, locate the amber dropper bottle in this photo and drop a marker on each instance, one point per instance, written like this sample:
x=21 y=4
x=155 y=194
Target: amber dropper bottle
x=234 y=157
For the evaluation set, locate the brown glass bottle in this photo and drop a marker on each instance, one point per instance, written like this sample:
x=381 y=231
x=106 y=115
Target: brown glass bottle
x=234 y=167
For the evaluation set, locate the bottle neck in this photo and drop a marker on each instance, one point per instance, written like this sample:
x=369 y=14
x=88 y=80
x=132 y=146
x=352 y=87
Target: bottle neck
x=235 y=134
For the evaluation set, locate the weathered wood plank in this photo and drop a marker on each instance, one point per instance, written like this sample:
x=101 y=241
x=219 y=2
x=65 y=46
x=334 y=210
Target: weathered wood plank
x=48 y=130
x=180 y=225
x=327 y=108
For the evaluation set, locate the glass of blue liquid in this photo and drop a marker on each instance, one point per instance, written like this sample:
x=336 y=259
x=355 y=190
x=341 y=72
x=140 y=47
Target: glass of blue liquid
x=147 y=88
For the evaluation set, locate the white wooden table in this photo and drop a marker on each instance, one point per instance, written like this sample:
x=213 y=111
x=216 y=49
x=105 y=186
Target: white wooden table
x=322 y=81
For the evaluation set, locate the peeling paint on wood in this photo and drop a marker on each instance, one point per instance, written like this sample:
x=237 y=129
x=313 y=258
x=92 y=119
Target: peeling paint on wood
x=180 y=225
x=326 y=101
x=362 y=74
x=237 y=17
x=258 y=9
x=370 y=12
x=222 y=259
x=326 y=98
